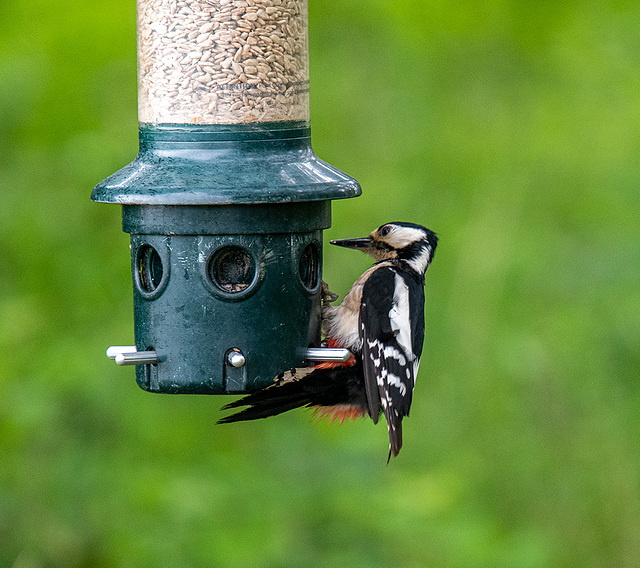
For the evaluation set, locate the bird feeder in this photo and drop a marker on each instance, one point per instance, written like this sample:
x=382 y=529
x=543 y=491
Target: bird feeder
x=226 y=201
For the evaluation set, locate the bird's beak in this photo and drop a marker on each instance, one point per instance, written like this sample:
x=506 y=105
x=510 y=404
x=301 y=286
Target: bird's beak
x=363 y=244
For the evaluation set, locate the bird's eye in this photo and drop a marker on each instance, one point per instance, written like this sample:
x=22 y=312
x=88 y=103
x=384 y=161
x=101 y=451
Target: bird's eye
x=384 y=231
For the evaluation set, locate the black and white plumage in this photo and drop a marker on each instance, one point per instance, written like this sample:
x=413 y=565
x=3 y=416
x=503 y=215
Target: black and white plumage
x=381 y=321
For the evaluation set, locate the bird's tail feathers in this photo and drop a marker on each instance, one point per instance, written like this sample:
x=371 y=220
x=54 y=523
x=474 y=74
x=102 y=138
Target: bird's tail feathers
x=264 y=410
x=318 y=387
x=395 y=438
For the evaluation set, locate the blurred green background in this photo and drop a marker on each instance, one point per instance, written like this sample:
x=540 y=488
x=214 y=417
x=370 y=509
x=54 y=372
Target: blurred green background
x=513 y=130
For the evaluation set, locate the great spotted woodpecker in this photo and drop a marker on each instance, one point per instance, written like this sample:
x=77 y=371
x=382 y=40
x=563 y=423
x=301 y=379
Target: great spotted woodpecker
x=381 y=321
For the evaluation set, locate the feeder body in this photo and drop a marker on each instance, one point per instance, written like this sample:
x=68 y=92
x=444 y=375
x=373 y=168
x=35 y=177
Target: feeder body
x=231 y=282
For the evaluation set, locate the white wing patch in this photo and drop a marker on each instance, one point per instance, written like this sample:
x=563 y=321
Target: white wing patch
x=399 y=317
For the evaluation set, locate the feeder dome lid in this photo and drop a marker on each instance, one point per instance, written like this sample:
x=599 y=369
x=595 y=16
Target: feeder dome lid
x=192 y=164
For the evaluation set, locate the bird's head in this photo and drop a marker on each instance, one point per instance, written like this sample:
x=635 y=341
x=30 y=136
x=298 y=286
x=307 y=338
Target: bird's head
x=409 y=242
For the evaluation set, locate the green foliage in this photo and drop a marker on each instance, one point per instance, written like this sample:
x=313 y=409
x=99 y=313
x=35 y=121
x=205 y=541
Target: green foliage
x=510 y=128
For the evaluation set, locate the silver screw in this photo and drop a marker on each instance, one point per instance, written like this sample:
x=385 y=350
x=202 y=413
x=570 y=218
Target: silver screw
x=236 y=359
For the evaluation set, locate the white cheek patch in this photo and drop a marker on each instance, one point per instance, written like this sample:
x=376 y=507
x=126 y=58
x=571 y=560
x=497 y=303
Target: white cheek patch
x=404 y=236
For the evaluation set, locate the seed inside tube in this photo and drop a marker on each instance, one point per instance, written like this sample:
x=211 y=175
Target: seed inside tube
x=259 y=73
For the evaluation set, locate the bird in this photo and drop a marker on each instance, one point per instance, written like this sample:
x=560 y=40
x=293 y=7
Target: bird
x=381 y=322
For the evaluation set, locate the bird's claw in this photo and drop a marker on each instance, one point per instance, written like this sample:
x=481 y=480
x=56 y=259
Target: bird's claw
x=327 y=295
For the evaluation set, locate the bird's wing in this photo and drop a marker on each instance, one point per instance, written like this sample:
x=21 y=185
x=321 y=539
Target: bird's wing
x=389 y=363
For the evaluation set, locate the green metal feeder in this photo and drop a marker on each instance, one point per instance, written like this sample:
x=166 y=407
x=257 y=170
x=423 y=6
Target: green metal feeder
x=226 y=201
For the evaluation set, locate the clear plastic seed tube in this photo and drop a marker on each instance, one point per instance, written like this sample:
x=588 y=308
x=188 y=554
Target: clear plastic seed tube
x=222 y=61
